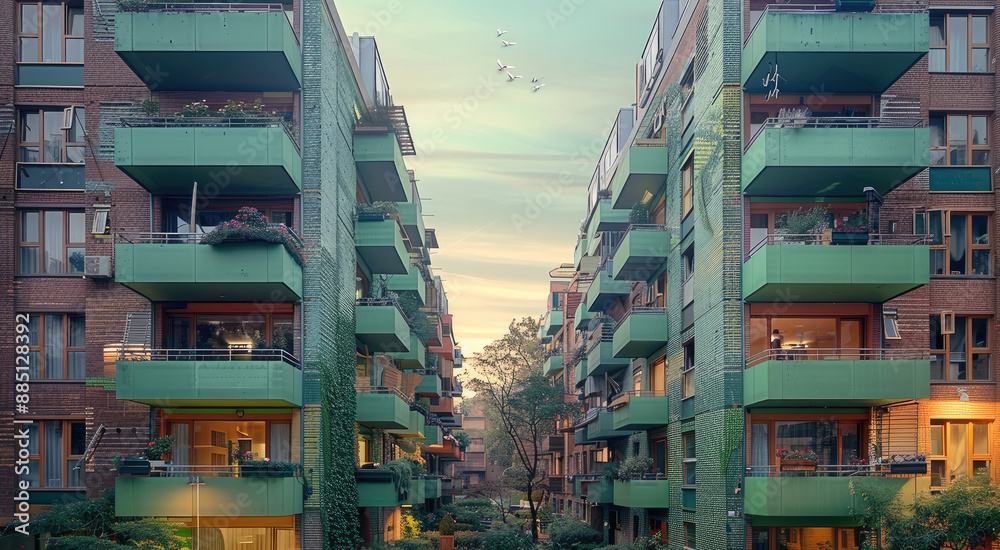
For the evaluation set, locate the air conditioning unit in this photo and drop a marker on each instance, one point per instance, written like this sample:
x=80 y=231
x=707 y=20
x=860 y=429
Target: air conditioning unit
x=97 y=266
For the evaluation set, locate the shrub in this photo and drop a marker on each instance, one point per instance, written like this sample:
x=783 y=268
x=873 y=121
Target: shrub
x=635 y=468
x=410 y=528
x=468 y=539
x=151 y=107
x=159 y=447
x=250 y=225
x=412 y=544
x=447 y=525
x=197 y=109
x=805 y=222
x=432 y=537
x=506 y=538
x=464 y=527
x=639 y=214
x=568 y=533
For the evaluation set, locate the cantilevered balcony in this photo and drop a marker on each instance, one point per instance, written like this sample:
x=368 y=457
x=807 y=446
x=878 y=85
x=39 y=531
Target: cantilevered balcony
x=432 y=488
x=380 y=162
x=642 y=331
x=606 y=218
x=580 y=377
x=554 y=443
x=553 y=322
x=381 y=325
x=583 y=315
x=833 y=157
x=641 y=170
x=412 y=283
x=430 y=385
x=580 y=252
x=172 y=496
x=379 y=243
x=835 y=377
x=799 y=268
x=605 y=290
x=204 y=47
x=641 y=253
x=601 y=357
x=640 y=410
x=376 y=488
x=226 y=156
x=413 y=222
x=828 y=52
x=381 y=407
x=416 y=357
x=595 y=489
x=414 y=427
x=209 y=378
x=603 y=427
x=175 y=267
x=553 y=364
x=642 y=493
x=432 y=436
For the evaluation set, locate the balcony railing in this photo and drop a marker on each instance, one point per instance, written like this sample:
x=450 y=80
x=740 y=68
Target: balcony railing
x=623 y=397
x=248 y=121
x=233 y=354
x=881 y=7
x=189 y=238
x=823 y=470
x=888 y=239
x=359 y=388
x=366 y=302
x=639 y=311
x=793 y=121
x=204 y=470
x=847 y=354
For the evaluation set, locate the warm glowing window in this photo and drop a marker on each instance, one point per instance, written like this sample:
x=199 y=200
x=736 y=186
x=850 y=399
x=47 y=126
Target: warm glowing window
x=958 y=449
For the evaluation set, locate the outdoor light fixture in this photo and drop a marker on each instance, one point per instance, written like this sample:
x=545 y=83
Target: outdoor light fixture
x=963 y=395
x=196 y=482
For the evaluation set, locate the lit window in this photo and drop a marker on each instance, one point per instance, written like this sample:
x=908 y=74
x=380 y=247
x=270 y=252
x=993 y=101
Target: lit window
x=959 y=43
x=958 y=449
x=960 y=347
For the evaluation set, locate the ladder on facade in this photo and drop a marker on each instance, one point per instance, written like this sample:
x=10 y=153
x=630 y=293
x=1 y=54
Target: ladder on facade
x=138 y=333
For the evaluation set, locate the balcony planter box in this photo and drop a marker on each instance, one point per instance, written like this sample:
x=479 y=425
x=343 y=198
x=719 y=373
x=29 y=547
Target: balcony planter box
x=135 y=467
x=798 y=465
x=908 y=464
x=256 y=472
x=849 y=237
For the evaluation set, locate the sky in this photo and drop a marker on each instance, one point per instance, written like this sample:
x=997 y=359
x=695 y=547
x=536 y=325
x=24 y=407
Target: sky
x=503 y=171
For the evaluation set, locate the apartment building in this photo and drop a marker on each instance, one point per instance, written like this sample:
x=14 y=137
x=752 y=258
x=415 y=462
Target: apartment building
x=788 y=266
x=190 y=186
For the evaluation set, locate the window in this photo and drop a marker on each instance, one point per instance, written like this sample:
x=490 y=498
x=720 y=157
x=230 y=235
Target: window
x=958 y=140
x=688 y=371
x=52 y=135
x=958 y=449
x=835 y=442
x=54 y=447
x=959 y=44
x=689 y=535
x=688 y=258
x=967 y=349
x=230 y=331
x=56 y=347
x=806 y=338
x=891 y=328
x=659 y=447
x=960 y=242
x=51 y=242
x=687 y=180
x=690 y=459
x=687 y=92
x=50 y=32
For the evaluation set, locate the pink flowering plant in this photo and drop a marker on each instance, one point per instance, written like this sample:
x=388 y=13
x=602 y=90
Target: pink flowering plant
x=788 y=454
x=159 y=447
x=250 y=225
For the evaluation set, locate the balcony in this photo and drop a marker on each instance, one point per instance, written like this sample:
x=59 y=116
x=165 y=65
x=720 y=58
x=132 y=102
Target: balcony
x=429 y=386
x=379 y=243
x=642 y=493
x=209 y=378
x=553 y=365
x=451 y=486
x=580 y=252
x=249 y=48
x=815 y=500
x=557 y=484
x=432 y=436
x=381 y=325
x=227 y=156
x=640 y=410
x=640 y=255
x=583 y=315
x=454 y=421
x=553 y=322
x=604 y=290
x=580 y=375
x=173 y=267
x=641 y=170
x=553 y=443
x=413 y=283
x=376 y=488
x=416 y=357
x=640 y=333
x=606 y=218
x=444 y=406
x=601 y=359
x=413 y=222
x=603 y=428
x=432 y=488
x=594 y=489
x=382 y=408
x=782 y=269
x=832 y=157
x=835 y=377
x=223 y=486
x=380 y=162
x=833 y=52
x=414 y=427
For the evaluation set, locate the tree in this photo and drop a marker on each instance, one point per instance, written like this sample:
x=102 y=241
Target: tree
x=493 y=490
x=524 y=403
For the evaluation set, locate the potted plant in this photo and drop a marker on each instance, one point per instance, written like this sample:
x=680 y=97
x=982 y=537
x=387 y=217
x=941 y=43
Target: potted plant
x=157 y=448
x=634 y=468
x=133 y=465
x=446 y=530
x=850 y=229
x=250 y=225
x=799 y=225
x=908 y=464
x=797 y=461
x=253 y=467
x=639 y=215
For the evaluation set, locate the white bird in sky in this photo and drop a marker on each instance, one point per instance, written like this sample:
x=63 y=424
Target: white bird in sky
x=500 y=32
x=511 y=77
x=505 y=43
x=535 y=78
x=502 y=66
x=538 y=87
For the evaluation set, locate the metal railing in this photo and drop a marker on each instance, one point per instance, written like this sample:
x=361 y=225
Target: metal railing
x=834 y=122
x=209 y=354
x=189 y=238
x=202 y=470
x=621 y=399
x=246 y=121
x=640 y=311
x=874 y=239
x=637 y=227
x=822 y=470
x=360 y=388
x=894 y=7
x=370 y=302
x=855 y=354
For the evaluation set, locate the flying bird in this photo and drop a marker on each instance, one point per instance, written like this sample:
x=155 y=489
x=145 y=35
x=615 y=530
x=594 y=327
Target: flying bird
x=500 y=32
x=505 y=43
x=535 y=78
x=511 y=77
x=538 y=87
x=503 y=67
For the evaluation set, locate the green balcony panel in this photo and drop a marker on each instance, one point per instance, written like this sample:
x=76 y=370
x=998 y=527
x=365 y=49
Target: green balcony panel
x=413 y=222
x=583 y=315
x=386 y=411
x=553 y=322
x=432 y=436
x=432 y=488
x=642 y=493
x=381 y=328
x=604 y=290
x=814 y=273
x=580 y=252
x=958 y=179
x=833 y=52
x=376 y=489
x=552 y=366
x=642 y=412
x=380 y=162
x=239 y=51
x=224 y=161
x=173 y=497
x=429 y=386
x=836 y=383
x=416 y=494
x=601 y=359
x=380 y=245
x=414 y=427
x=606 y=218
x=578 y=490
x=641 y=254
x=816 y=501
x=234 y=383
x=603 y=428
x=641 y=170
x=412 y=283
x=416 y=357
x=600 y=492
x=580 y=377
x=832 y=162
x=188 y=272
x=580 y=437
x=640 y=333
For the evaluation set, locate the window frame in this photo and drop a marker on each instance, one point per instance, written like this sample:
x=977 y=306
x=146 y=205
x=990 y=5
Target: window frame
x=971 y=457
x=687 y=371
x=970 y=148
x=78 y=115
x=970 y=350
x=969 y=44
x=67 y=455
x=40 y=244
x=944 y=246
x=39 y=35
x=687 y=186
x=40 y=346
x=690 y=535
x=690 y=462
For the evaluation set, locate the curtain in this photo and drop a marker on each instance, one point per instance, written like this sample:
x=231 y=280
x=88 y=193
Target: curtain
x=181 y=450
x=54 y=458
x=760 y=445
x=281 y=442
x=54 y=346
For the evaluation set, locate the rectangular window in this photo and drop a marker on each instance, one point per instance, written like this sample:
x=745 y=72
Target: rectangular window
x=963 y=353
x=50 y=32
x=960 y=242
x=689 y=535
x=687 y=180
x=45 y=137
x=959 y=43
x=690 y=459
x=54 y=447
x=958 y=449
x=51 y=242
x=959 y=140
x=688 y=370
x=271 y=331
x=57 y=347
